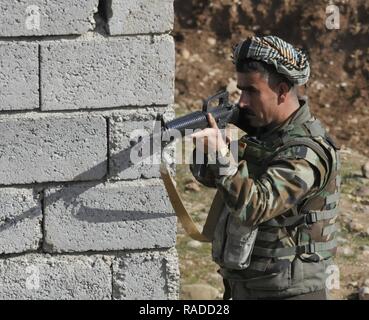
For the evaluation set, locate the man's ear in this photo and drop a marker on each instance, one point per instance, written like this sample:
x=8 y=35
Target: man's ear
x=283 y=89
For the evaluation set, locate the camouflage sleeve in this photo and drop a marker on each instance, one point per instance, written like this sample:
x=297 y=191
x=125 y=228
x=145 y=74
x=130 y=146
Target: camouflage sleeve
x=201 y=171
x=205 y=173
x=282 y=186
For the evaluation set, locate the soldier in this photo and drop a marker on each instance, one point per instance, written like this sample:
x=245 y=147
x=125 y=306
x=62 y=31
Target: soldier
x=275 y=210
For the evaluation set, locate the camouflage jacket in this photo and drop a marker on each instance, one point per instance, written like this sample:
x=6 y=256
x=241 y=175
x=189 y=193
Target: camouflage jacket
x=265 y=195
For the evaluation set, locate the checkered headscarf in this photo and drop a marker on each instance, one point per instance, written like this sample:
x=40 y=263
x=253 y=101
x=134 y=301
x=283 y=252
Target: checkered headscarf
x=289 y=61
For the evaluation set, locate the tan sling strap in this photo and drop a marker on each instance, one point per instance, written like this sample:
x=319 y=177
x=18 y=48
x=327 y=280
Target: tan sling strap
x=178 y=206
x=215 y=211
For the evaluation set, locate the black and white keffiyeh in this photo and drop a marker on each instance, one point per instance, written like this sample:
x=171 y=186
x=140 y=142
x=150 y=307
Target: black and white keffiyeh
x=290 y=61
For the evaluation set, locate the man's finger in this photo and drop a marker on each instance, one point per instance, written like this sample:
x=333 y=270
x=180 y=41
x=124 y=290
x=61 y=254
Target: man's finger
x=212 y=122
x=201 y=134
x=228 y=134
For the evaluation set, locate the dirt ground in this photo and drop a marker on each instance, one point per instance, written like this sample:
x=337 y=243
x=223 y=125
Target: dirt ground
x=338 y=95
x=352 y=258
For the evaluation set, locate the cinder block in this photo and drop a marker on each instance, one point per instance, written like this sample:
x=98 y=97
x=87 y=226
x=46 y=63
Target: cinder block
x=37 y=276
x=42 y=148
x=140 y=16
x=19 y=76
x=146 y=276
x=103 y=73
x=46 y=17
x=125 y=129
x=20 y=220
x=111 y=216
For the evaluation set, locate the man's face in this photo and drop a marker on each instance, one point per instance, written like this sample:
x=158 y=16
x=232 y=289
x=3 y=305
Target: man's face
x=257 y=98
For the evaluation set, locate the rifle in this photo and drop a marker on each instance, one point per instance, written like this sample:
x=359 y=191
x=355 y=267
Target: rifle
x=223 y=114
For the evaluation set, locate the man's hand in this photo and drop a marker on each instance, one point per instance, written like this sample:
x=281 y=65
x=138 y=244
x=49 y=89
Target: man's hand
x=211 y=138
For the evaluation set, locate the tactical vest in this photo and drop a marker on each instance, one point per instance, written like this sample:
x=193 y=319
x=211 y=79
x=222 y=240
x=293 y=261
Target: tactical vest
x=291 y=251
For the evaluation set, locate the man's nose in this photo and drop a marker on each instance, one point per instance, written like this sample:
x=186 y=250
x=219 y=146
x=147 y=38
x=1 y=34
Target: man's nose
x=244 y=101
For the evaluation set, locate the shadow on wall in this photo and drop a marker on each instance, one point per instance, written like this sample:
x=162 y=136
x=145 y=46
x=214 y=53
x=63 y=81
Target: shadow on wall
x=89 y=214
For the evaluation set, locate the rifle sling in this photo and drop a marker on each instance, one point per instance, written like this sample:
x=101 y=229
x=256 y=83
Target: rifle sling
x=178 y=206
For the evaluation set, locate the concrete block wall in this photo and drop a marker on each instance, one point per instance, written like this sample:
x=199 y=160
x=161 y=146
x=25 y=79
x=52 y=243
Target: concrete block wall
x=79 y=220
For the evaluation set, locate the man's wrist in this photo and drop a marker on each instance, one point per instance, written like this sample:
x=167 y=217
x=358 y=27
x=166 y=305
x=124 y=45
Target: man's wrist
x=222 y=163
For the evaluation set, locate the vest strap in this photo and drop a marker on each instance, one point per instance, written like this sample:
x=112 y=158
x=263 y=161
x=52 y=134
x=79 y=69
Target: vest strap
x=338 y=181
x=267 y=236
x=258 y=266
x=338 y=165
x=287 y=222
x=321 y=215
x=307 y=218
x=309 y=248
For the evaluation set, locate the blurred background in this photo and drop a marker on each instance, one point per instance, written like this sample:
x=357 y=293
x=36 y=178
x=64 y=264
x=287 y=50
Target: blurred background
x=205 y=32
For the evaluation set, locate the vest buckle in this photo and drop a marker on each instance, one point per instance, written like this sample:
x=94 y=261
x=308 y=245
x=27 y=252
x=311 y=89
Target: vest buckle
x=311 y=247
x=311 y=217
x=307 y=248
